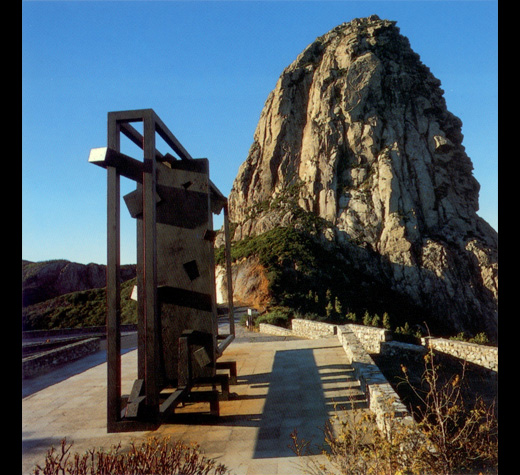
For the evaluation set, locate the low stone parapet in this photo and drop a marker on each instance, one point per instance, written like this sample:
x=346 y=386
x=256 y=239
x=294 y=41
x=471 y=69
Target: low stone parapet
x=41 y=362
x=360 y=341
x=481 y=355
x=311 y=328
x=274 y=330
x=370 y=337
x=382 y=399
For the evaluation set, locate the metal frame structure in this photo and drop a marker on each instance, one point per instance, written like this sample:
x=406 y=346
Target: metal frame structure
x=147 y=405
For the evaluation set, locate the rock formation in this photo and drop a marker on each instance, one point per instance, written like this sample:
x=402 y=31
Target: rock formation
x=48 y=279
x=357 y=135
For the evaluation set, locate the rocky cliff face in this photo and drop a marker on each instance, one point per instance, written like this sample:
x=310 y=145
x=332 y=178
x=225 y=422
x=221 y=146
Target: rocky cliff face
x=357 y=140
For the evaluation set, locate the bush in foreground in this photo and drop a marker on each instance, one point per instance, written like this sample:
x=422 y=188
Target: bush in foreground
x=158 y=457
x=446 y=438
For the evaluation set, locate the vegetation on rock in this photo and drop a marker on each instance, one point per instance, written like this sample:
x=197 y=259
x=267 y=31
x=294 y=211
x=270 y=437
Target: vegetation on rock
x=317 y=280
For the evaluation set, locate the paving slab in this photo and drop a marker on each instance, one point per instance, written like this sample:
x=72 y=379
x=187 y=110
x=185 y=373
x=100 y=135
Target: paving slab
x=284 y=384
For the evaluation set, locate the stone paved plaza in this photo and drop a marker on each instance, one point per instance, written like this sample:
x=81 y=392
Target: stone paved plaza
x=284 y=383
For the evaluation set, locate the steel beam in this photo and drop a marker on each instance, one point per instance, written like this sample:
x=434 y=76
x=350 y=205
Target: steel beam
x=113 y=285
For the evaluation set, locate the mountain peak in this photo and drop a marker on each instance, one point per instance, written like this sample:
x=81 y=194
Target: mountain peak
x=357 y=136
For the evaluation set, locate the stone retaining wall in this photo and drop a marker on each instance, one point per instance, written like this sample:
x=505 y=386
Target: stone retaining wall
x=359 y=340
x=482 y=355
x=274 y=330
x=370 y=337
x=381 y=397
x=30 y=347
x=378 y=340
x=312 y=329
x=42 y=362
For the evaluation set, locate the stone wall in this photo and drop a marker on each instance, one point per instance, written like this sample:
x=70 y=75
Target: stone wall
x=274 y=330
x=378 y=340
x=382 y=398
x=359 y=341
x=370 y=337
x=31 y=347
x=481 y=355
x=312 y=329
x=41 y=362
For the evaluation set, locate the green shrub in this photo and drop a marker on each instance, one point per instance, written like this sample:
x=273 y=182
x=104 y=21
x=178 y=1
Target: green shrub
x=281 y=317
x=351 y=317
x=407 y=335
x=480 y=338
x=376 y=320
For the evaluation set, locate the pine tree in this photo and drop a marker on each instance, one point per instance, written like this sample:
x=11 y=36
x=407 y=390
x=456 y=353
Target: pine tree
x=386 y=321
x=376 y=320
x=367 y=320
x=351 y=316
x=337 y=306
x=329 y=309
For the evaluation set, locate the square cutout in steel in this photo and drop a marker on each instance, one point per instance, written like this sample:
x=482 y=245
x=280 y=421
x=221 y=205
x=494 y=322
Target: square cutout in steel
x=191 y=269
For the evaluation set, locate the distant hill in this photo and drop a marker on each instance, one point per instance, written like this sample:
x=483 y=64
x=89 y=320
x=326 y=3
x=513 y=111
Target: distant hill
x=48 y=279
x=64 y=294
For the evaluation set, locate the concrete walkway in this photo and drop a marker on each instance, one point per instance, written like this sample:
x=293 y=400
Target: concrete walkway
x=283 y=384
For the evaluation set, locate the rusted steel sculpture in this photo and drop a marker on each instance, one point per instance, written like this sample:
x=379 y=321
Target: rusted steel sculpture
x=178 y=340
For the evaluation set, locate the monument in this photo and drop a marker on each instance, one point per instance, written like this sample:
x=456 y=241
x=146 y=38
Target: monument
x=178 y=339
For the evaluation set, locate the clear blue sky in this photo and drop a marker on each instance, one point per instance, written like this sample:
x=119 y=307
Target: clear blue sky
x=206 y=68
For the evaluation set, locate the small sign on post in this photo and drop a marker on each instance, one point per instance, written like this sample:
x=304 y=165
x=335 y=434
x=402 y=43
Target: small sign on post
x=251 y=315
